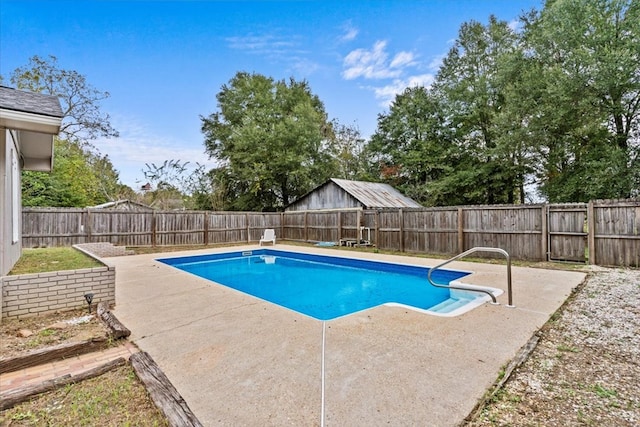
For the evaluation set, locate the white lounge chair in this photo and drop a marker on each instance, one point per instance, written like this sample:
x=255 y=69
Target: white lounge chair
x=268 y=236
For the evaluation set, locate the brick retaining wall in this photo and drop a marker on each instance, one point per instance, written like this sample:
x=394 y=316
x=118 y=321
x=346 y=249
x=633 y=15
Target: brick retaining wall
x=32 y=294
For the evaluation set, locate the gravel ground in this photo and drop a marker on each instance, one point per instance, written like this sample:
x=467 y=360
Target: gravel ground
x=585 y=370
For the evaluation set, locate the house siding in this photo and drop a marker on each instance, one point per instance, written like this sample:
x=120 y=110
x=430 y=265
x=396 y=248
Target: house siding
x=9 y=250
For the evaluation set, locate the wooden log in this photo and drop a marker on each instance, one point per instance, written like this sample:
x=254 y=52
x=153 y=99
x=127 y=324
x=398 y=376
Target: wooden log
x=162 y=392
x=13 y=397
x=49 y=354
x=116 y=328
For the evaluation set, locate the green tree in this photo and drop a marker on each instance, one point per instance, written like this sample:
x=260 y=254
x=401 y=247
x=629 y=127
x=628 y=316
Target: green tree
x=271 y=139
x=411 y=149
x=471 y=86
x=450 y=144
x=584 y=97
x=178 y=184
x=76 y=180
x=348 y=150
x=83 y=120
x=81 y=176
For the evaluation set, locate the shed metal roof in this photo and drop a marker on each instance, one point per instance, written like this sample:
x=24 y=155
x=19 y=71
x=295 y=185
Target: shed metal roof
x=376 y=195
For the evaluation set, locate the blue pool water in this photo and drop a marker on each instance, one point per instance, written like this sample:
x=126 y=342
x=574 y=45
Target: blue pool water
x=322 y=287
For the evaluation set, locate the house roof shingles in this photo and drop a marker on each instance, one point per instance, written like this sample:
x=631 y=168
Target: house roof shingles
x=29 y=102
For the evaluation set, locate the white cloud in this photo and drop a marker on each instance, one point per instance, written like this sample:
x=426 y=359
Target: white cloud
x=436 y=62
x=349 y=32
x=286 y=50
x=386 y=94
x=374 y=64
x=138 y=145
x=402 y=59
x=304 y=66
x=265 y=43
x=514 y=25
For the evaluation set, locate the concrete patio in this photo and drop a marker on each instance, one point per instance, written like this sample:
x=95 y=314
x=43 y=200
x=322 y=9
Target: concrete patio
x=238 y=360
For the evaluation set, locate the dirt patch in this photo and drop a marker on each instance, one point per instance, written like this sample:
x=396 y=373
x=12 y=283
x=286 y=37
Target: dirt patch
x=18 y=336
x=586 y=368
x=116 y=398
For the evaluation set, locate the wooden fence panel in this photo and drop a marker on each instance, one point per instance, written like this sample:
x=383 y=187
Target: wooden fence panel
x=322 y=226
x=179 y=228
x=617 y=233
x=227 y=227
x=567 y=235
x=431 y=230
x=294 y=226
x=124 y=228
x=258 y=222
x=349 y=227
x=516 y=229
x=389 y=230
x=52 y=227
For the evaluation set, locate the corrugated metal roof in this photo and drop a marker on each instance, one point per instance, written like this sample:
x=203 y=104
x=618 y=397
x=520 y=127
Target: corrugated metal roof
x=376 y=195
x=128 y=204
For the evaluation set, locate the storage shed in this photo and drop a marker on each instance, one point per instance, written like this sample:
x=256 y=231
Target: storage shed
x=344 y=194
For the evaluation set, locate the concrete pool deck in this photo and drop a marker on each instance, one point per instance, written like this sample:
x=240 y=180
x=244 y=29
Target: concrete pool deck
x=238 y=360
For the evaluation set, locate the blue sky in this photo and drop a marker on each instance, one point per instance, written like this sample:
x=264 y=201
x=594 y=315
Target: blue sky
x=163 y=62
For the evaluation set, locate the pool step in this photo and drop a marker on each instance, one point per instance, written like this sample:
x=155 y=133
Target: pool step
x=449 y=305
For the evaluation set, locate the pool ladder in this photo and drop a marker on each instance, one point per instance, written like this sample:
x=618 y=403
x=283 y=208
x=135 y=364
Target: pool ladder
x=461 y=288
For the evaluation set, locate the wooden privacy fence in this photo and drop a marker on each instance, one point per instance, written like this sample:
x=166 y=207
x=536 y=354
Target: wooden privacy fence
x=602 y=232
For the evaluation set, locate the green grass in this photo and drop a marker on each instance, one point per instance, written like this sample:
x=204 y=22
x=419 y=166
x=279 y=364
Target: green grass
x=116 y=398
x=52 y=259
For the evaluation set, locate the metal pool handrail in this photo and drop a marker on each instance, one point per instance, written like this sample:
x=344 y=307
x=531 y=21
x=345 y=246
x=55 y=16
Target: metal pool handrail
x=470 y=251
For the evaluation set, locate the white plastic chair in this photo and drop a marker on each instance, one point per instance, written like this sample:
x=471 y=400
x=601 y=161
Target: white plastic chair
x=268 y=236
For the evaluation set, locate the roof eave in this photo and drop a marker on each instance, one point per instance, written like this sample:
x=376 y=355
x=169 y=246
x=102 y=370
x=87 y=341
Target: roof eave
x=23 y=121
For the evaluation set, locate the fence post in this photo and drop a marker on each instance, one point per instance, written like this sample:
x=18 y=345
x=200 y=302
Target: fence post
x=460 y=230
x=246 y=223
x=377 y=232
x=591 y=232
x=282 y=225
x=401 y=224
x=153 y=229
x=339 y=225
x=306 y=230
x=544 y=240
x=87 y=228
x=206 y=228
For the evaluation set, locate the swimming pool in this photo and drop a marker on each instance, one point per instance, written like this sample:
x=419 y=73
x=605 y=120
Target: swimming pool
x=327 y=287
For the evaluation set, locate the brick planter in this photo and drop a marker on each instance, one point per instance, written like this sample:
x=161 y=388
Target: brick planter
x=34 y=294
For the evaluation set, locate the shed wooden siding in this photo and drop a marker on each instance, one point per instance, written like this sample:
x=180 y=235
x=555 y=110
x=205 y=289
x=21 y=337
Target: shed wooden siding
x=327 y=196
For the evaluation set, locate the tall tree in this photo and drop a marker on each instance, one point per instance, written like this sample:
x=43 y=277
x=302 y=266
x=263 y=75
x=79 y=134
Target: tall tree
x=585 y=55
x=271 y=140
x=79 y=178
x=472 y=90
x=411 y=148
x=83 y=120
x=82 y=176
x=347 y=148
x=446 y=144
